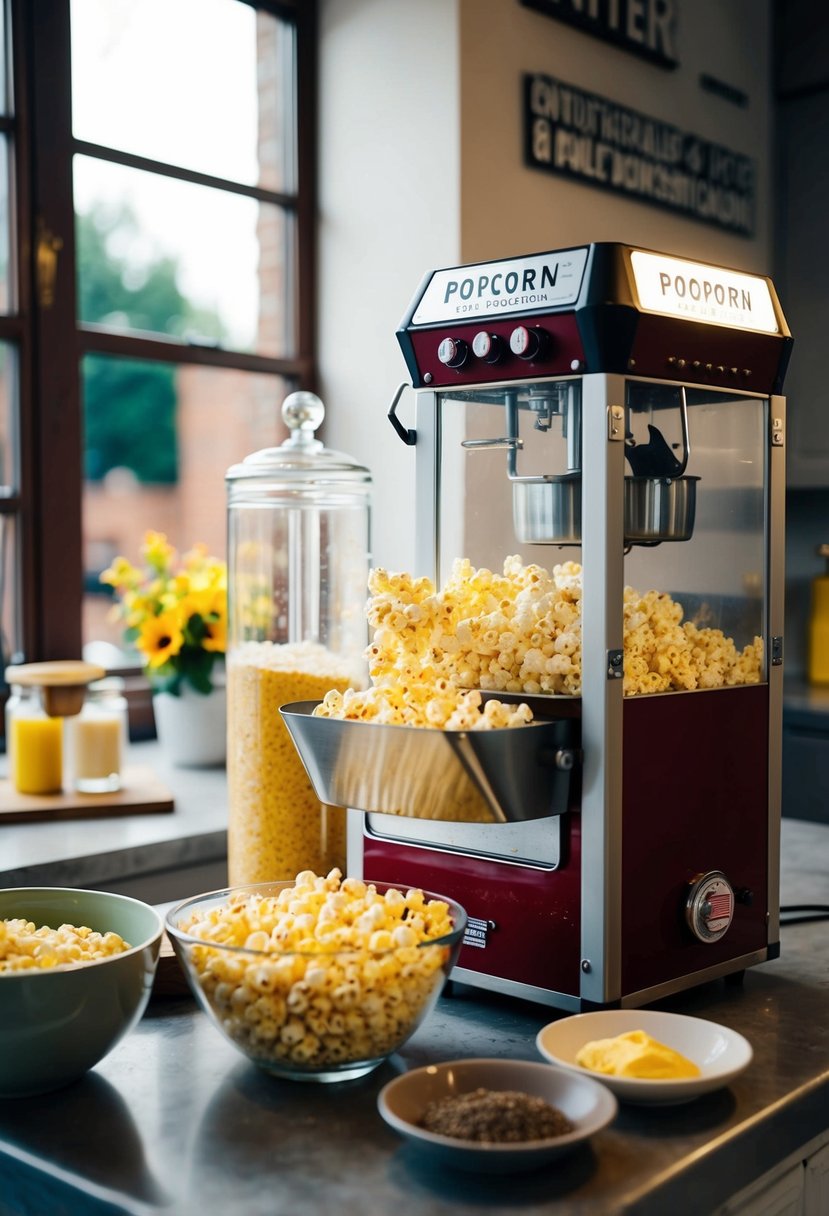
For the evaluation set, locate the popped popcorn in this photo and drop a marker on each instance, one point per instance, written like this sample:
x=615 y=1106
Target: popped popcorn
x=23 y=947
x=520 y=632
x=333 y=970
x=276 y=824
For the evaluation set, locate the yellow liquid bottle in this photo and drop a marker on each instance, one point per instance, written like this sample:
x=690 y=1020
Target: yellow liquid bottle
x=35 y=748
x=819 y=626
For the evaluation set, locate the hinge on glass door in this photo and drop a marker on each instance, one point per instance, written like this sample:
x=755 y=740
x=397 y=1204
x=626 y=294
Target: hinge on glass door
x=616 y=423
x=49 y=246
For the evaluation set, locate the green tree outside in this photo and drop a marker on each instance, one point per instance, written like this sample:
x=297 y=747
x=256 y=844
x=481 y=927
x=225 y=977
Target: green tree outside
x=130 y=404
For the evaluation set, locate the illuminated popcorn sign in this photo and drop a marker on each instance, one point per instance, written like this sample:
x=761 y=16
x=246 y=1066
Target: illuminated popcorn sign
x=696 y=292
x=593 y=140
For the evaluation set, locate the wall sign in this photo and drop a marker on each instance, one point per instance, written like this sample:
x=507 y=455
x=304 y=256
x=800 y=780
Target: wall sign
x=593 y=140
x=645 y=27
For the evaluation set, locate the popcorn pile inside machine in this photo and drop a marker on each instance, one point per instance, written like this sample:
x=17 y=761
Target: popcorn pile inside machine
x=599 y=448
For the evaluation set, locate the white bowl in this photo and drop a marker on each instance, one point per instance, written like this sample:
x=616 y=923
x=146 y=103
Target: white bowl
x=588 y=1106
x=720 y=1054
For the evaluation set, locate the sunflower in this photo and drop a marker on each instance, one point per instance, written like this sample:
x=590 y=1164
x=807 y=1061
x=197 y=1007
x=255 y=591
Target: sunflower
x=174 y=610
x=161 y=638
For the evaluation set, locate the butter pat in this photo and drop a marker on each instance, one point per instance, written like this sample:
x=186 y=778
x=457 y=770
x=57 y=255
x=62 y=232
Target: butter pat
x=635 y=1054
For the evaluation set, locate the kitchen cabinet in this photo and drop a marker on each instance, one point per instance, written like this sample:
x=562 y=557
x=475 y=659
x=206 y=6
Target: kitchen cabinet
x=792 y=1189
x=805 y=791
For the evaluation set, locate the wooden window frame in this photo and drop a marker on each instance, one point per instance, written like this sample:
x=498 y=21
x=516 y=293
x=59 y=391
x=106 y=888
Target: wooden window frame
x=51 y=341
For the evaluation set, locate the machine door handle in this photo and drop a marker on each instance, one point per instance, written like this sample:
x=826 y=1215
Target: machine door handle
x=407 y=434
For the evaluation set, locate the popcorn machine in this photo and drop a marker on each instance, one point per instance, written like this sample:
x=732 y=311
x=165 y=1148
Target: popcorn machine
x=612 y=415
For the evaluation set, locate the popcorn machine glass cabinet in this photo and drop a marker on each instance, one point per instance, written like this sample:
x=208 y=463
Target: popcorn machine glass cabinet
x=509 y=481
x=719 y=574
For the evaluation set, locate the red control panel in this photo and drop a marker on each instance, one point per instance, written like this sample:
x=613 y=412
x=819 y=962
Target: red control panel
x=475 y=353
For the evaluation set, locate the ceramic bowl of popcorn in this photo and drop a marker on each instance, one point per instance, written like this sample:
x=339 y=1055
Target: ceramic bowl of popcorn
x=319 y=979
x=76 y=971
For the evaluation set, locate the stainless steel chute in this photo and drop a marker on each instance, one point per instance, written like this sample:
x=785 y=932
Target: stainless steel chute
x=505 y=775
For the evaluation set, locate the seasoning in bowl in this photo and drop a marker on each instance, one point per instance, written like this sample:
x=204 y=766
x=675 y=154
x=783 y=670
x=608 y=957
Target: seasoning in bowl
x=495 y=1116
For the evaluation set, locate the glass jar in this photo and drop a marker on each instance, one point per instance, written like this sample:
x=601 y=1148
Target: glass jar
x=298 y=564
x=96 y=739
x=34 y=741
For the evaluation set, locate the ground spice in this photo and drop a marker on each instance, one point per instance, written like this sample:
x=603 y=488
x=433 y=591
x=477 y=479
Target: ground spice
x=495 y=1117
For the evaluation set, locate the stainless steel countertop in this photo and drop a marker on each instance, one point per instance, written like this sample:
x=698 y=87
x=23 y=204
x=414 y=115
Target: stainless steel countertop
x=174 y=1120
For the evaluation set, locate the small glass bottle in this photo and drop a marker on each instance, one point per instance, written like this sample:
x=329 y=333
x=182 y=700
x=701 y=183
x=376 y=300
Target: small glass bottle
x=96 y=739
x=35 y=743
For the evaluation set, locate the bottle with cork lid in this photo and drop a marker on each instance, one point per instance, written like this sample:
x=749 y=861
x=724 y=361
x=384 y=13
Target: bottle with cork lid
x=43 y=695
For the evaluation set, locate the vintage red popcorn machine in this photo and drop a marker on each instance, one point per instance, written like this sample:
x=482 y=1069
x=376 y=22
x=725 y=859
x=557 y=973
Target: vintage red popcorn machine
x=616 y=413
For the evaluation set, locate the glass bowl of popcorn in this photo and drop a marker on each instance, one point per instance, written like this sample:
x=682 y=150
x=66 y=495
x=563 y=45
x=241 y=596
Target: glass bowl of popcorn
x=319 y=979
x=76 y=972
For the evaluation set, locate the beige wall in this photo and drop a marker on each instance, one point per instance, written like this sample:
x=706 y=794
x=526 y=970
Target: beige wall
x=421 y=161
x=509 y=209
x=389 y=211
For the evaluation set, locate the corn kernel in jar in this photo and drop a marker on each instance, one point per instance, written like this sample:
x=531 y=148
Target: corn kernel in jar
x=276 y=824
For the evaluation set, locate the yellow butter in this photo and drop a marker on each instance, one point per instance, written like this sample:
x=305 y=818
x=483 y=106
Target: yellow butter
x=635 y=1054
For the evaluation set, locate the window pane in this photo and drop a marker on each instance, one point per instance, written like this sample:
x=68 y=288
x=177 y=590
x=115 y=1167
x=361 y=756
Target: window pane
x=205 y=84
x=159 y=440
x=5 y=99
x=5 y=227
x=11 y=641
x=156 y=254
x=8 y=421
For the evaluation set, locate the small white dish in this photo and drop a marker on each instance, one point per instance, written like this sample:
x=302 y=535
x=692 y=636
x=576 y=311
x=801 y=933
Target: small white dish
x=720 y=1054
x=588 y=1106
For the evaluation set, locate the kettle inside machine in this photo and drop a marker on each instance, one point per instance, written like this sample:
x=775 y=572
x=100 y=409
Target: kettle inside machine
x=613 y=416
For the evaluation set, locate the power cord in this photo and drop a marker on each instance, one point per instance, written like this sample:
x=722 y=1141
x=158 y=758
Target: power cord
x=801 y=914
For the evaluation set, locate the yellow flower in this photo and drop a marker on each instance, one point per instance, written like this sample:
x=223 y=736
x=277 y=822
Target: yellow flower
x=121 y=573
x=210 y=605
x=174 y=610
x=157 y=551
x=215 y=637
x=161 y=638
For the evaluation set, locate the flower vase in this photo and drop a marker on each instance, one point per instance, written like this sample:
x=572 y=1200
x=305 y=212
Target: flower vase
x=192 y=727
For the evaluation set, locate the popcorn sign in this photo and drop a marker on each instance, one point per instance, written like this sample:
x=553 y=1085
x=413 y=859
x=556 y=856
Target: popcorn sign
x=540 y=281
x=696 y=292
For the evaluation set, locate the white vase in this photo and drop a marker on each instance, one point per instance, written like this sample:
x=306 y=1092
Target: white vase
x=192 y=727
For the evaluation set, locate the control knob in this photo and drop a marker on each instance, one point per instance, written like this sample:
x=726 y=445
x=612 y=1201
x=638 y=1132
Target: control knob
x=453 y=352
x=488 y=347
x=527 y=343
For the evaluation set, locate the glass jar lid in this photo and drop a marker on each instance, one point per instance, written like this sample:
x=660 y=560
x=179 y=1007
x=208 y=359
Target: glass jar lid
x=301 y=457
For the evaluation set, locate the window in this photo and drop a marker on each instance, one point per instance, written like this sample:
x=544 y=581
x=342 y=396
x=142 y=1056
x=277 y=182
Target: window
x=156 y=283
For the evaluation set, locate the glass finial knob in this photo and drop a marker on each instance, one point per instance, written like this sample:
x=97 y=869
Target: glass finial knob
x=303 y=412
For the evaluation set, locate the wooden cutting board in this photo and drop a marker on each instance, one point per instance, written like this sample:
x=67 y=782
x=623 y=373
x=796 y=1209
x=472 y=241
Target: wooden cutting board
x=142 y=794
